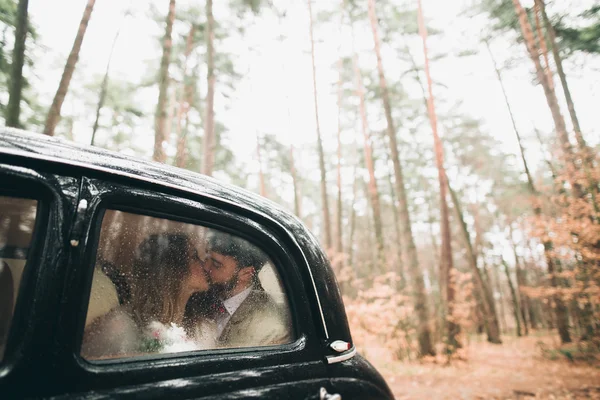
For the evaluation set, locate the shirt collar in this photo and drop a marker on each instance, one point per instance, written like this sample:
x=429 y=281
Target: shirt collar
x=232 y=303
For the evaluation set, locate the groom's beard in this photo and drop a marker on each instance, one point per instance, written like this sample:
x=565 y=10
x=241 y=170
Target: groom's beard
x=223 y=289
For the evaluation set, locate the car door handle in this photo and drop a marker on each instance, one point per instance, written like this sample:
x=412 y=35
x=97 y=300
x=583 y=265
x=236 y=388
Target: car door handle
x=323 y=395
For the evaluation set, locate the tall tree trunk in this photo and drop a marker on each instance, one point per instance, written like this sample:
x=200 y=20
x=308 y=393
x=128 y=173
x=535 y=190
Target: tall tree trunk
x=515 y=300
x=284 y=81
x=103 y=88
x=54 y=113
x=209 y=121
x=261 y=175
x=523 y=299
x=338 y=219
x=324 y=197
x=561 y=73
x=350 y=250
x=434 y=275
x=161 y=114
x=185 y=101
x=566 y=145
x=559 y=122
x=370 y=245
x=372 y=186
x=496 y=282
x=295 y=182
x=588 y=153
x=546 y=158
x=484 y=293
x=13 y=109
x=418 y=284
x=512 y=118
x=398 y=245
x=560 y=308
x=542 y=43
x=446 y=264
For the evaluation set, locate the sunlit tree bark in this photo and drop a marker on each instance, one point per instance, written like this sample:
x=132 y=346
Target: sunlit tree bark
x=446 y=262
x=542 y=43
x=561 y=74
x=559 y=122
x=412 y=262
x=13 y=109
x=63 y=87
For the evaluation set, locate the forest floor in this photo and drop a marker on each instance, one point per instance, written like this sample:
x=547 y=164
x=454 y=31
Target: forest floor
x=517 y=369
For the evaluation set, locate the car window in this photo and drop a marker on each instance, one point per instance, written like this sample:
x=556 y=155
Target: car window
x=17 y=219
x=162 y=286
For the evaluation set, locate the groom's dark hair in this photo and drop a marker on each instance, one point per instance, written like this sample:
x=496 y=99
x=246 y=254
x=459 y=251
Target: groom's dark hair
x=245 y=253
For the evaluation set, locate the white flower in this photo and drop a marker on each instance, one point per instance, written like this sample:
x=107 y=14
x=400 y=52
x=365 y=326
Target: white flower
x=172 y=338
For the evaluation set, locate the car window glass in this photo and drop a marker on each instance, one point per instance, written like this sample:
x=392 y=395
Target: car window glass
x=161 y=286
x=17 y=219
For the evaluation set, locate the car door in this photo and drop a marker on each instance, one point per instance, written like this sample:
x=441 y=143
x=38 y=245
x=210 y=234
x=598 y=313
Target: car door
x=294 y=369
x=37 y=204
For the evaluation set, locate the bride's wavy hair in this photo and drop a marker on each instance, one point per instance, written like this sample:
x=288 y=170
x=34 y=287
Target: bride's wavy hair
x=160 y=267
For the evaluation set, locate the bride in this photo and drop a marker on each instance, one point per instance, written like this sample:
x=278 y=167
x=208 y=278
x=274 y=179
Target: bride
x=166 y=273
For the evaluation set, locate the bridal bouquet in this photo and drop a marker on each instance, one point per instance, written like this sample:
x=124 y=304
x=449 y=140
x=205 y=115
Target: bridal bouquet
x=161 y=338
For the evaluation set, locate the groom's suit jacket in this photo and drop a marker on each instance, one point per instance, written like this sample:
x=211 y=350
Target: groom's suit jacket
x=258 y=321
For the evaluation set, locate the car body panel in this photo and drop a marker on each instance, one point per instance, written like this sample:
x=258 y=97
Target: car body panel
x=49 y=346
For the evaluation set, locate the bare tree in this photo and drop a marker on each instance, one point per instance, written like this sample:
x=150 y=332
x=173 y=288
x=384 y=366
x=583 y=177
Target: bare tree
x=412 y=262
x=161 y=114
x=484 y=293
x=561 y=74
x=295 y=182
x=261 y=175
x=185 y=101
x=209 y=122
x=338 y=214
x=559 y=122
x=104 y=88
x=63 y=87
x=514 y=298
x=13 y=109
x=542 y=43
x=324 y=197
x=446 y=262
x=372 y=185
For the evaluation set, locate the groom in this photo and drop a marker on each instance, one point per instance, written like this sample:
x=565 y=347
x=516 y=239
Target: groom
x=245 y=314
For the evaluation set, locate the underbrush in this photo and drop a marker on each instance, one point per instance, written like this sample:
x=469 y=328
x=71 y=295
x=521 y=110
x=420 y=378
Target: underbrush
x=588 y=351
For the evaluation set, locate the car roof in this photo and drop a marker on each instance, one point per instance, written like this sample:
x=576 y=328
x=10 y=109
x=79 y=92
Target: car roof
x=58 y=151
x=65 y=152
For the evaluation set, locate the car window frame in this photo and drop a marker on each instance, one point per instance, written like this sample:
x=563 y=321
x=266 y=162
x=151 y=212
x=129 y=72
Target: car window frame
x=218 y=216
x=26 y=184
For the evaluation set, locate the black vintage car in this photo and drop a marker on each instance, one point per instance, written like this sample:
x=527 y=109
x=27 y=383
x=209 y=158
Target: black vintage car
x=85 y=241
